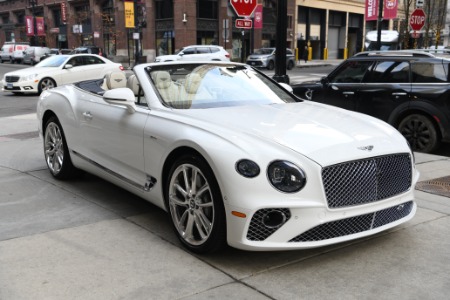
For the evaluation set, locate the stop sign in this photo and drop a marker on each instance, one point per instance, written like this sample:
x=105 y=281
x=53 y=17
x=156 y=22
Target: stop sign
x=417 y=19
x=243 y=8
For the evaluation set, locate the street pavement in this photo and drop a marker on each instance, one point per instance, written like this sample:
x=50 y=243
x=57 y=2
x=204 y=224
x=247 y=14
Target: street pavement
x=87 y=239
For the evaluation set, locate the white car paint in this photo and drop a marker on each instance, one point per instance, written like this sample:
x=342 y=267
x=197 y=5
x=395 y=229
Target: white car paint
x=131 y=147
x=60 y=72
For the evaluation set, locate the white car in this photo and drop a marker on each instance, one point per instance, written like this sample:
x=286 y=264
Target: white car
x=58 y=70
x=197 y=53
x=233 y=156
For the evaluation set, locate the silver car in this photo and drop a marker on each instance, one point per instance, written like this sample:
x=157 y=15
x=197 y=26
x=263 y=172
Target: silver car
x=265 y=58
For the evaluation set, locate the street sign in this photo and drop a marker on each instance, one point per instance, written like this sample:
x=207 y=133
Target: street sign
x=419 y=3
x=243 y=23
x=417 y=19
x=244 y=8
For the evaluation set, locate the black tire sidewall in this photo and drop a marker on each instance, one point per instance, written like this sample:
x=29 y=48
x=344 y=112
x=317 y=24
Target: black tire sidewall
x=434 y=136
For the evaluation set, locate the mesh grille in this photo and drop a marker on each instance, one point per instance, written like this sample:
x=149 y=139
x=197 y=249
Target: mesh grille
x=365 y=181
x=355 y=224
x=12 y=78
x=257 y=231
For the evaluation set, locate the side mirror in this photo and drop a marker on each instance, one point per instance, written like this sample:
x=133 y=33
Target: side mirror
x=324 y=81
x=121 y=96
x=68 y=66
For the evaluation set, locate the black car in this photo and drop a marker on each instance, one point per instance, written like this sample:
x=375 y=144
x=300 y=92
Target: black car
x=408 y=89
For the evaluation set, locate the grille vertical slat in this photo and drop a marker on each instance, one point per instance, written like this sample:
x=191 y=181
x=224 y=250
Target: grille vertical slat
x=366 y=181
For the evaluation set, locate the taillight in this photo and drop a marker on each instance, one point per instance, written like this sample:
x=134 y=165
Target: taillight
x=121 y=68
x=227 y=55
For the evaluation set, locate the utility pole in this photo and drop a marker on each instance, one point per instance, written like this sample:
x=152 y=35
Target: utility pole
x=380 y=19
x=280 y=53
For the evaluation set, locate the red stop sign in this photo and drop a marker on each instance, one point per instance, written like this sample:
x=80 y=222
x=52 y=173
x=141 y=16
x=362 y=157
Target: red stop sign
x=243 y=8
x=417 y=19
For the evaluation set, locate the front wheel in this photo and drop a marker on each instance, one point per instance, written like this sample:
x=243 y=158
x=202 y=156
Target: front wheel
x=271 y=65
x=45 y=84
x=56 y=151
x=195 y=205
x=420 y=132
x=290 y=65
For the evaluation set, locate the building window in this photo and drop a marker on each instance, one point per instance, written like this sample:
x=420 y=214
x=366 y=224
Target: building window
x=164 y=9
x=207 y=9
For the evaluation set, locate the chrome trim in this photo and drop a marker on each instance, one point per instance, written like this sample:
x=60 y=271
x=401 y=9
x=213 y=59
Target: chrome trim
x=149 y=184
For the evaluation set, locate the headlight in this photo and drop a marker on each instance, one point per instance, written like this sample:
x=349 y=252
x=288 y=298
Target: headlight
x=28 y=77
x=286 y=176
x=247 y=168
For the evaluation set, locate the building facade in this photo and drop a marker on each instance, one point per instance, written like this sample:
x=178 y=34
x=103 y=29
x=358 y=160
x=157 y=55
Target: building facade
x=330 y=28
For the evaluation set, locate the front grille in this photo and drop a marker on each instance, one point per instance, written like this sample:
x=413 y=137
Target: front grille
x=257 y=231
x=12 y=78
x=369 y=180
x=355 y=224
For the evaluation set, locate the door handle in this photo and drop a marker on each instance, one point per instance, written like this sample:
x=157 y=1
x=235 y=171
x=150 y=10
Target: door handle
x=348 y=93
x=87 y=115
x=398 y=94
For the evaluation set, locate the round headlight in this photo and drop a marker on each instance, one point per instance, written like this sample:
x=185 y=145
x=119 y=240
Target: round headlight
x=286 y=176
x=247 y=168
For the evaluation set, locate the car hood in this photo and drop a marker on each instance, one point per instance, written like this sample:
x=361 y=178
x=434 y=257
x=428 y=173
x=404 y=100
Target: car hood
x=325 y=134
x=31 y=71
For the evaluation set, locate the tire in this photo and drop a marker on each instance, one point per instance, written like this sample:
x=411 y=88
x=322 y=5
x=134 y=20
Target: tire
x=197 y=212
x=290 y=65
x=271 y=65
x=45 y=84
x=420 y=132
x=56 y=151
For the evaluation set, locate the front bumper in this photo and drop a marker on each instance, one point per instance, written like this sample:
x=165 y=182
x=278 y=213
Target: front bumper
x=257 y=63
x=20 y=87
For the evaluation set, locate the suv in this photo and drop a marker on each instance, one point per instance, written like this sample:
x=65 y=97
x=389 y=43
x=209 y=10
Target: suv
x=408 y=89
x=198 y=52
x=265 y=58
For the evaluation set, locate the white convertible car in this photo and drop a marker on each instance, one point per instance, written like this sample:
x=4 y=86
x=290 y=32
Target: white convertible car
x=232 y=156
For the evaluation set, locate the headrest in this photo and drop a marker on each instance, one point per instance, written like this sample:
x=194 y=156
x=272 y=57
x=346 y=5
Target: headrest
x=162 y=79
x=133 y=84
x=116 y=79
x=192 y=83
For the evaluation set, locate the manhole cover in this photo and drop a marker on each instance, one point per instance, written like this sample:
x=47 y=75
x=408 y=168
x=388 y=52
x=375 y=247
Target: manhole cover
x=438 y=186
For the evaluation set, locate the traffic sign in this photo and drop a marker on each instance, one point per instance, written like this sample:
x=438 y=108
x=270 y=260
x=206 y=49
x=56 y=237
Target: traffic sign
x=417 y=19
x=243 y=23
x=244 y=8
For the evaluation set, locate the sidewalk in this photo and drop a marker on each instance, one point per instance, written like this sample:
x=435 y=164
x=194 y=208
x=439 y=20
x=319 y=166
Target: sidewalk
x=87 y=239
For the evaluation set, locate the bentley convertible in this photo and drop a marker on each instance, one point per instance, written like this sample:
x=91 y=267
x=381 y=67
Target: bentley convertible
x=232 y=156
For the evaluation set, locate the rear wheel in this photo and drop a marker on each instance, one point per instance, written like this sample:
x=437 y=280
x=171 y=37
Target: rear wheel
x=56 y=151
x=195 y=205
x=290 y=65
x=45 y=84
x=420 y=132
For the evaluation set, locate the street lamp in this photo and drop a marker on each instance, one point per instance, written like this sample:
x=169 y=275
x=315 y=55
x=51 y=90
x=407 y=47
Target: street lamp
x=33 y=5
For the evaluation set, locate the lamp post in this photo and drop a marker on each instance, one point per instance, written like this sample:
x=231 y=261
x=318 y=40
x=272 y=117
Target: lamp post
x=33 y=5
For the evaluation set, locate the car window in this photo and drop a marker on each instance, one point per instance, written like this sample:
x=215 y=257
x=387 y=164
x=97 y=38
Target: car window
x=76 y=61
x=350 y=72
x=389 y=72
x=202 y=50
x=214 y=49
x=189 y=51
x=92 y=60
x=289 y=51
x=426 y=72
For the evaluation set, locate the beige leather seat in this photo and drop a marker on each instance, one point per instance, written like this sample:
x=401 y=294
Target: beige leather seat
x=166 y=87
x=116 y=79
x=133 y=84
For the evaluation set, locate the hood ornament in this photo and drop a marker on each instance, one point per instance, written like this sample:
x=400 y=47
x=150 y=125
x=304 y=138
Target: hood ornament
x=366 y=148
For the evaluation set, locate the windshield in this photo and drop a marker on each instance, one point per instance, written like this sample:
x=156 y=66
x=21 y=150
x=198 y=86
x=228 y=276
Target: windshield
x=192 y=86
x=53 y=61
x=264 y=51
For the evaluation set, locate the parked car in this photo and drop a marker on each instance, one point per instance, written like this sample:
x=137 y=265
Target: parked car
x=409 y=90
x=33 y=55
x=265 y=58
x=58 y=70
x=56 y=51
x=197 y=53
x=86 y=49
x=12 y=51
x=232 y=155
